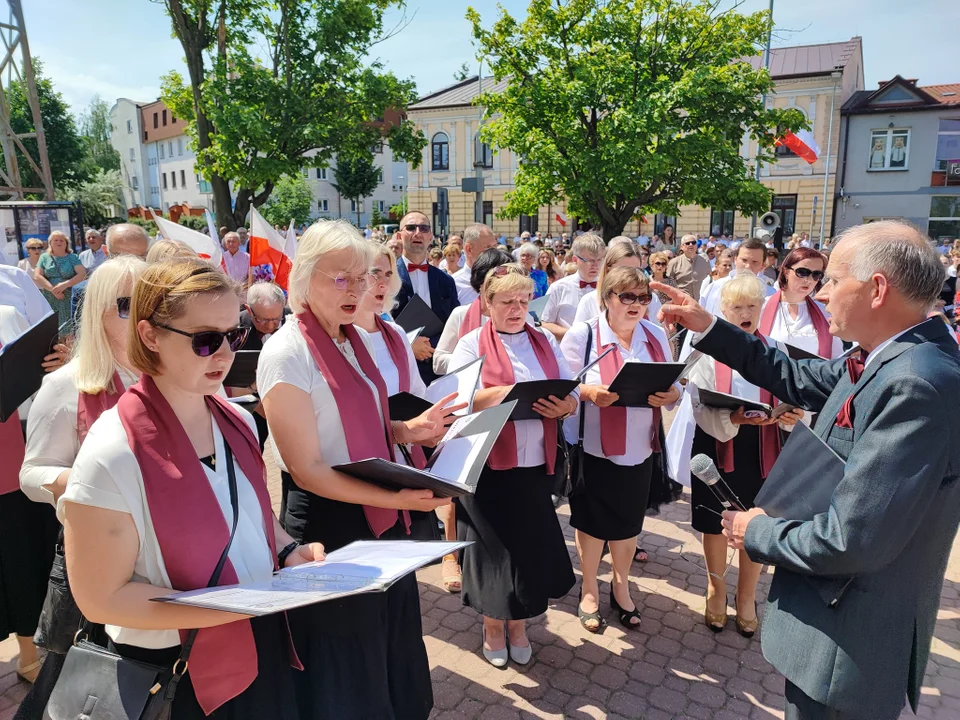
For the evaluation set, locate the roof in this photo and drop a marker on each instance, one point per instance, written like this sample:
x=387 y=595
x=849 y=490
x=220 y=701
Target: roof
x=902 y=94
x=945 y=94
x=459 y=95
x=807 y=60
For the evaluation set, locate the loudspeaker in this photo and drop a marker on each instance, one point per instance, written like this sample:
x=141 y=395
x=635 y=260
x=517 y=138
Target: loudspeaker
x=769 y=221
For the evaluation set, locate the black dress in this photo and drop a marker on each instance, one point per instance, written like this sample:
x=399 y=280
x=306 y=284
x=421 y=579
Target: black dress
x=519 y=557
x=364 y=656
x=612 y=502
x=745 y=480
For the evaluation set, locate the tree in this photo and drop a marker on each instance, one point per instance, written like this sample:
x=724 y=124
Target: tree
x=100 y=197
x=401 y=208
x=627 y=106
x=95 y=134
x=357 y=178
x=254 y=119
x=291 y=200
x=462 y=73
x=194 y=222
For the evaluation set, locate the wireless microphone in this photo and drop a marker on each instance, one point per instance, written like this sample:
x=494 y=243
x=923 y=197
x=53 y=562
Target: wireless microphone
x=706 y=470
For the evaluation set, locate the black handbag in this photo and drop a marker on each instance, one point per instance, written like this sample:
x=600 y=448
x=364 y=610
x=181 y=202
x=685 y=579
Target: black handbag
x=60 y=616
x=574 y=462
x=97 y=684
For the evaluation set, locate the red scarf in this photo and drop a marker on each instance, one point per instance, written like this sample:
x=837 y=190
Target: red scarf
x=769 y=434
x=191 y=528
x=613 y=420
x=397 y=347
x=820 y=323
x=91 y=406
x=498 y=372
x=356 y=406
x=472 y=319
x=14 y=452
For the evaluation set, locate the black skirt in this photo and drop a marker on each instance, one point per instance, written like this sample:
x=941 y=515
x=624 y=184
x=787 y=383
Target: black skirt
x=612 y=502
x=745 y=480
x=271 y=695
x=519 y=557
x=28 y=537
x=364 y=656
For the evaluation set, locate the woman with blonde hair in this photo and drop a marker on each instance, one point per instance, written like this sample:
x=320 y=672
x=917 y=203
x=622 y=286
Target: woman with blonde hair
x=57 y=271
x=451 y=258
x=518 y=559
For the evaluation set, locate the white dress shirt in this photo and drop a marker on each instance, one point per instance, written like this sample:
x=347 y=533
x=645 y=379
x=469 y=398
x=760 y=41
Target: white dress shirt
x=391 y=373
x=639 y=420
x=52 y=440
x=589 y=307
x=800 y=332
x=237 y=264
x=563 y=297
x=530 y=451
x=451 y=334
x=18 y=290
x=106 y=475
x=420 y=281
x=465 y=292
x=879 y=348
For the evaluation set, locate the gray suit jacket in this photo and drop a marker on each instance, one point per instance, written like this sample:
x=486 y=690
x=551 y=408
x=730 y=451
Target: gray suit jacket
x=853 y=602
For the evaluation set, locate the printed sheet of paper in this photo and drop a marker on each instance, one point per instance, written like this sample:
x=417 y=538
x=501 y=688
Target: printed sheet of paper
x=464 y=382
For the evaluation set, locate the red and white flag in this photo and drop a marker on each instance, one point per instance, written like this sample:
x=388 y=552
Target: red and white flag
x=802 y=143
x=561 y=218
x=268 y=247
x=290 y=248
x=204 y=246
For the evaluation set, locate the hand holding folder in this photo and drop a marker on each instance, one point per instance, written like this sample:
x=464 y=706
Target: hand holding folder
x=636 y=381
x=406 y=406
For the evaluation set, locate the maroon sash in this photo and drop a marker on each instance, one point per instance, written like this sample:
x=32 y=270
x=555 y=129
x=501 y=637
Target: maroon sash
x=14 y=452
x=91 y=407
x=472 y=319
x=820 y=323
x=397 y=347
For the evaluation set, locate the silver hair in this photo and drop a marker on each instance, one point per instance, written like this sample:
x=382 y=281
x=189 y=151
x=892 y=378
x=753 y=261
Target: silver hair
x=528 y=248
x=588 y=242
x=265 y=293
x=620 y=239
x=902 y=254
x=325 y=236
x=473 y=232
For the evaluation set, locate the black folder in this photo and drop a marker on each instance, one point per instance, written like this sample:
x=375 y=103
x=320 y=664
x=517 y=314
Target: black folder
x=527 y=393
x=395 y=476
x=417 y=314
x=243 y=372
x=636 y=381
x=21 y=364
x=804 y=478
x=406 y=406
x=724 y=401
x=796 y=353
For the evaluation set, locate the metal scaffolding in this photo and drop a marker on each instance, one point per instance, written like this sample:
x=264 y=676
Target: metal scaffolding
x=17 y=65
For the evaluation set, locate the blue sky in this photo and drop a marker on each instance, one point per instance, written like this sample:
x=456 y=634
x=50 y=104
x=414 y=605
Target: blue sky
x=120 y=48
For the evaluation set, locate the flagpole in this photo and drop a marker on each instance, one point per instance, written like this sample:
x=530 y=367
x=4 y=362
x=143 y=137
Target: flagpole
x=836 y=75
x=763 y=100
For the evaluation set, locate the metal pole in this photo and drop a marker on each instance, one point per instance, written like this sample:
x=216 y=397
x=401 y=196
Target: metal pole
x=763 y=100
x=826 y=172
x=813 y=218
x=478 y=150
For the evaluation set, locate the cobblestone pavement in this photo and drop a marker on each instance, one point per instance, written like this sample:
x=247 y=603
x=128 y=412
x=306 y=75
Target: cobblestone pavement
x=673 y=667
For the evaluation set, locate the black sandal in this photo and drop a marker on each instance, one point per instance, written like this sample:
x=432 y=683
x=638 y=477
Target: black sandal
x=625 y=616
x=637 y=558
x=585 y=616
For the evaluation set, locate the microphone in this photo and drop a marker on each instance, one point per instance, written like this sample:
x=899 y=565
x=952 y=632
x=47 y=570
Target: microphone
x=706 y=471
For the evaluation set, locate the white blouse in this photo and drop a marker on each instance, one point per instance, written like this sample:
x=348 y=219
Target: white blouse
x=451 y=334
x=800 y=332
x=639 y=420
x=106 y=475
x=52 y=440
x=589 y=308
x=530 y=451
x=287 y=359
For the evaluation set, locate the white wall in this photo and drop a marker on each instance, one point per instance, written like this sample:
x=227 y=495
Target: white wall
x=125 y=136
x=181 y=165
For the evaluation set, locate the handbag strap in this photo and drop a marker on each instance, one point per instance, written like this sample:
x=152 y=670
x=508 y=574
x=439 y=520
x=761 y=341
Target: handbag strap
x=583 y=404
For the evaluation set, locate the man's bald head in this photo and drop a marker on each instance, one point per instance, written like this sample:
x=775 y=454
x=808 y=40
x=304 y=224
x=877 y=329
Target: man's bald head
x=127 y=239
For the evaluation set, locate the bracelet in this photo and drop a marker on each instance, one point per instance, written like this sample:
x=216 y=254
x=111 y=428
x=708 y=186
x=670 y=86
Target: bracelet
x=286 y=552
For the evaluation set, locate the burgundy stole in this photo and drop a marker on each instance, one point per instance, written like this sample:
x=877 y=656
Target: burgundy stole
x=356 y=405
x=498 y=372
x=472 y=319
x=191 y=528
x=820 y=323
x=613 y=420
x=397 y=347
x=769 y=434
x=14 y=452
x=91 y=407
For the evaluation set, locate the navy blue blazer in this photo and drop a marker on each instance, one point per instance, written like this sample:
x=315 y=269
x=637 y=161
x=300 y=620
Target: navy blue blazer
x=443 y=299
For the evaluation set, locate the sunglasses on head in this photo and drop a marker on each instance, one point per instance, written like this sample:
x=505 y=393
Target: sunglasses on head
x=629 y=298
x=123 y=307
x=413 y=227
x=206 y=342
x=502 y=270
x=804 y=273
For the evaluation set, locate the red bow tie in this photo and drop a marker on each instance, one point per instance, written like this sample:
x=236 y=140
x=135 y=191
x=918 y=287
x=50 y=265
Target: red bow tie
x=411 y=267
x=584 y=283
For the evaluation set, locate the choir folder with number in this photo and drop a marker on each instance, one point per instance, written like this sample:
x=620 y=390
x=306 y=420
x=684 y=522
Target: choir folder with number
x=21 y=364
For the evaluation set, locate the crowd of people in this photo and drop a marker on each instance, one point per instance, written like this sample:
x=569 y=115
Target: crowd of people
x=133 y=446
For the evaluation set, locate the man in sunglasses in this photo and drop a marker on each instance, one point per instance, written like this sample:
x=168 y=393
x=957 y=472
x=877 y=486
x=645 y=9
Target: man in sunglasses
x=688 y=269
x=418 y=277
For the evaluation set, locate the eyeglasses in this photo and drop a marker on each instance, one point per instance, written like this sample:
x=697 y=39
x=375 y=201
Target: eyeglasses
x=123 y=307
x=688 y=244
x=629 y=298
x=266 y=321
x=342 y=281
x=589 y=261
x=659 y=264
x=413 y=227
x=38 y=248
x=804 y=273
x=206 y=342
x=379 y=274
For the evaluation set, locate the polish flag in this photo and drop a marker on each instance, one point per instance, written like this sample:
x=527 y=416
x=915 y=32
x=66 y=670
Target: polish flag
x=802 y=143
x=206 y=247
x=290 y=247
x=561 y=218
x=268 y=247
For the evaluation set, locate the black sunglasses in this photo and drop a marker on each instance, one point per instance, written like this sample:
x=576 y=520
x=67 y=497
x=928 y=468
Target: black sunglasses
x=413 y=227
x=206 y=342
x=123 y=307
x=629 y=298
x=804 y=273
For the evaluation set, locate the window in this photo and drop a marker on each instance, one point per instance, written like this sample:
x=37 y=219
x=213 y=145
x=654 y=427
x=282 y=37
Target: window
x=488 y=213
x=948 y=143
x=180 y=146
x=170 y=147
x=161 y=151
x=721 y=222
x=154 y=190
x=323 y=205
x=440 y=150
x=173 y=179
x=133 y=155
x=786 y=207
x=173 y=117
x=321 y=173
x=529 y=223
x=379 y=175
x=783 y=151
x=164 y=118
x=484 y=155
x=155 y=125
x=355 y=206
x=129 y=127
x=380 y=205
x=944 y=217
x=164 y=178
x=135 y=183
x=377 y=148
x=183 y=178
x=889 y=149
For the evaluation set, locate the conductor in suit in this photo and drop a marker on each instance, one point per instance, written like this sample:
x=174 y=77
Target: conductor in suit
x=854 y=598
x=418 y=277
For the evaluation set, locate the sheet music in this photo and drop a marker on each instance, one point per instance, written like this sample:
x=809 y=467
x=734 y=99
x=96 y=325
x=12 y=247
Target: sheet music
x=455 y=459
x=464 y=382
x=414 y=334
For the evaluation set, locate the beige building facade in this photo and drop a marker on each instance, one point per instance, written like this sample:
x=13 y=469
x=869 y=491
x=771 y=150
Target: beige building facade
x=815 y=79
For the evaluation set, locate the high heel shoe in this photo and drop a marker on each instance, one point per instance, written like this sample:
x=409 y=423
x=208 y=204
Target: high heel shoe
x=716 y=622
x=497 y=658
x=625 y=616
x=585 y=616
x=747 y=628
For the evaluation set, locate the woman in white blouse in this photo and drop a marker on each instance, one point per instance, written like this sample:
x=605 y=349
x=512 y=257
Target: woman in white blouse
x=149 y=504
x=791 y=315
x=620 y=444
x=326 y=404
x=744 y=449
x=519 y=559
x=619 y=254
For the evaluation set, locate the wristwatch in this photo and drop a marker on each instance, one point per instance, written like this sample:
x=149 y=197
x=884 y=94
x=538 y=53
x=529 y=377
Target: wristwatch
x=286 y=552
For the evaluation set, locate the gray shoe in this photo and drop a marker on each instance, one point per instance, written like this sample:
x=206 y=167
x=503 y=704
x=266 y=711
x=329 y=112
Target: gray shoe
x=497 y=658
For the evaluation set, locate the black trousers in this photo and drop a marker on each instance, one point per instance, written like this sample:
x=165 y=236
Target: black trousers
x=801 y=706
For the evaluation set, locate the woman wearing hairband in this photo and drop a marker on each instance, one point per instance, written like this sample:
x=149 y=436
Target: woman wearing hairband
x=161 y=482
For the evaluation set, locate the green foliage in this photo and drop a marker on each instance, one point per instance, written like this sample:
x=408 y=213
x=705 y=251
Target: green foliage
x=401 y=208
x=149 y=225
x=289 y=78
x=291 y=200
x=95 y=134
x=100 y=197
x=462 y=73
x=629 y=106
x=357 y=177
x=194 y=222
x=376 y=218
